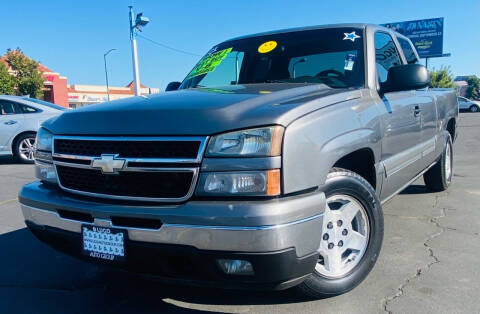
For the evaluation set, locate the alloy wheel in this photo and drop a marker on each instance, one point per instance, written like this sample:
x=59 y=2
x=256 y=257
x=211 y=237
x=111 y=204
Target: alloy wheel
x=26 y=148
x=448 y=162
x=345 y=236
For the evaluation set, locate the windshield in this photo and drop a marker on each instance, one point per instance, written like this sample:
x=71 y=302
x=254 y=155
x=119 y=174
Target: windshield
x=45 y=103
x=331 y=56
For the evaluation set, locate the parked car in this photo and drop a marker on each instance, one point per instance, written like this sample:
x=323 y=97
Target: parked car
x=467 y=104
x=20 y=118
x=266 y=167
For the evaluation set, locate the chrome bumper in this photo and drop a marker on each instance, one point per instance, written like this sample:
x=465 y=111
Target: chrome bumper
x=303 y=234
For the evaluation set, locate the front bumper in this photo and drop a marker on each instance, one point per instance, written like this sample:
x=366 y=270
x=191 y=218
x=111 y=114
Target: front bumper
x=279 y=237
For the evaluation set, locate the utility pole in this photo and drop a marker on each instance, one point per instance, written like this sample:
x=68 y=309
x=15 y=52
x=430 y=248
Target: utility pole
x=106 y=72
x=135 y=26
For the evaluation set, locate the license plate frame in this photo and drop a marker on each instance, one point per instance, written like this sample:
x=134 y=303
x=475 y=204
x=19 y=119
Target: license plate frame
x=104 y=243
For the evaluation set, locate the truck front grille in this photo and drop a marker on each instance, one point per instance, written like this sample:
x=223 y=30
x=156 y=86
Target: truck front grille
x=163 y=169
x=128 y=148
x=157 y=184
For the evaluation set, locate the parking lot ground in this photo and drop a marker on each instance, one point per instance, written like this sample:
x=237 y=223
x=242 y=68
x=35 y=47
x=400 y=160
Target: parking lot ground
x=428 y=263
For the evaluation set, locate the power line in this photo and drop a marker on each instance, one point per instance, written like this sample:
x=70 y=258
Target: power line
x=168 y=47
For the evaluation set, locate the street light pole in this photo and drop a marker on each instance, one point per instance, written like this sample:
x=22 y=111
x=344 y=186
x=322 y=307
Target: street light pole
x=135 y=24
x=106 y=72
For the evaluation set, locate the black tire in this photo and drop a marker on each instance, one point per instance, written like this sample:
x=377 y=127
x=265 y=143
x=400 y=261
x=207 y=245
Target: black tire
x=341 y=181
x=16 y=148
x=436 y=178
x=474 y=108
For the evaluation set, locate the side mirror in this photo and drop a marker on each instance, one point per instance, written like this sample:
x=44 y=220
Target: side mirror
x=172 y=86
x=406 y=77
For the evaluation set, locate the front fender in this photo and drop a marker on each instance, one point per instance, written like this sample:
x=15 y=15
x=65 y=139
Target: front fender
x=314 y=143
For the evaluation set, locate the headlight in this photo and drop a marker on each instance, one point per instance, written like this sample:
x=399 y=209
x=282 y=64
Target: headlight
x=242 y=183
x=261 y=142
x=44 y=168
x=44 y=140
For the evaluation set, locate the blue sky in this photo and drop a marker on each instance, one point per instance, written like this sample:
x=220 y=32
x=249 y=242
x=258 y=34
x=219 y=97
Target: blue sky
x=70 y=37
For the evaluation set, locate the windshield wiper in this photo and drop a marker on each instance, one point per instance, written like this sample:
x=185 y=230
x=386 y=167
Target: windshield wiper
x=276 y=81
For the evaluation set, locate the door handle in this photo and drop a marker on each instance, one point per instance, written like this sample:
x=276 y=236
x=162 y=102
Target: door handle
x=10 y=122
x=417 y=111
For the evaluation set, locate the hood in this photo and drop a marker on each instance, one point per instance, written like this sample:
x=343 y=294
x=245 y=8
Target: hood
x=199 y=111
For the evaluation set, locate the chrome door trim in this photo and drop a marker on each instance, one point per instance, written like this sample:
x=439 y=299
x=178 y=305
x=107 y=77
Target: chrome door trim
x=398 y=162
x=407 y=184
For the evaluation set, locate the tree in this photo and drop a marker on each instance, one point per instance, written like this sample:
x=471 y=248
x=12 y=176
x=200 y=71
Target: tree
x=7 y=83
x=442 y=78
x=28 y=80
x=473 y=88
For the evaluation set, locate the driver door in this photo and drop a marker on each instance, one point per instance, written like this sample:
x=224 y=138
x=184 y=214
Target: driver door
x=402 y=130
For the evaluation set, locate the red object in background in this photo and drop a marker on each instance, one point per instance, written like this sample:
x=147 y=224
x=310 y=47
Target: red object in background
x=57 y=89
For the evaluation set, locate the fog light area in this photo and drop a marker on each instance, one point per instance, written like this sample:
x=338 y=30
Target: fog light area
x=45 y=172
x=236 y=267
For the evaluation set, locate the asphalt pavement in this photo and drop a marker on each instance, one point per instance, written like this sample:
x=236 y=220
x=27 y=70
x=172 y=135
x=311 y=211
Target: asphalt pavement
x=428 y=264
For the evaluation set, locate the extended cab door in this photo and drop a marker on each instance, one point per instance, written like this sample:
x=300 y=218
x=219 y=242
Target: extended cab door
x=11 y=120
x=426 y=109
x=401 y=124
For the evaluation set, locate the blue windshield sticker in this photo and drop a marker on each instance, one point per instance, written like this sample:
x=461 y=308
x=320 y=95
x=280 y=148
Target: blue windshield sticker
x=349 y=62
x=352 y=36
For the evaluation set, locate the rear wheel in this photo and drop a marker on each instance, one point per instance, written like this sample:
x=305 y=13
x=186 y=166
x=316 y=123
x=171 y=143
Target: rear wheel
x=24 y=147
x=474 y=108
x=352 y=236
x=439 y=177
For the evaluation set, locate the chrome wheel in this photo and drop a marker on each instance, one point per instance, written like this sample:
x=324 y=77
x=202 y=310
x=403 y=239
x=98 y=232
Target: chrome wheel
x=448 y=162
x=26 y=148
x=474 y=109
x=345 y=236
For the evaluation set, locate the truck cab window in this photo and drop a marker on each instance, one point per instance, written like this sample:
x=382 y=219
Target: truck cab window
x=408 y=50
x=386 y=55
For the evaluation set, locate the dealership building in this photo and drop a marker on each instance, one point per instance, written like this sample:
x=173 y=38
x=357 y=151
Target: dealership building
x=81 y=95
x=57 y=91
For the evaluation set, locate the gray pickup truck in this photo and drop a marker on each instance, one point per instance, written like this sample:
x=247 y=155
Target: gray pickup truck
x=265 y=168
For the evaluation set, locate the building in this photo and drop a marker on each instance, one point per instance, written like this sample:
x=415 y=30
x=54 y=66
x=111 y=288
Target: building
x=81 y=95
x=57 y=91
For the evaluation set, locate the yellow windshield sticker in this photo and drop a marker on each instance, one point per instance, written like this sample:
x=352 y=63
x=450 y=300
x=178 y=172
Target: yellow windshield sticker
x=209 y=62
x=267 y=46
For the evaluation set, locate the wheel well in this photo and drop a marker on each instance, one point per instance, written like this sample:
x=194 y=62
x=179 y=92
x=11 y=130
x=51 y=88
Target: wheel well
x=451 y=128
x=361 y=162
x=18 y=135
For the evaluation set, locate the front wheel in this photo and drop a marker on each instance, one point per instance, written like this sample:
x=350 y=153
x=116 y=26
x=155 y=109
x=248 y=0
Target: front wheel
x=474 y=108
x=352 y=236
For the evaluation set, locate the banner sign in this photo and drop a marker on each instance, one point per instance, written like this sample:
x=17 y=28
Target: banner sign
x=426 y=35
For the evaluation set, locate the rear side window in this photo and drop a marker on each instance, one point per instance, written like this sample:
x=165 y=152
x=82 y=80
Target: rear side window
x=408 y=50
x=28 y=109
x=9 y=108
x=386 y=55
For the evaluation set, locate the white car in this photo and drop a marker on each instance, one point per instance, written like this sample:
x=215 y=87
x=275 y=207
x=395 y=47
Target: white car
x=20 y=118
x=467 y=104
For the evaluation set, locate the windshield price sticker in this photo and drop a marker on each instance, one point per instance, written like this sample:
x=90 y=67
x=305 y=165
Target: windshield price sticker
x=267 y=46
x=349 y=62
x=209 y=62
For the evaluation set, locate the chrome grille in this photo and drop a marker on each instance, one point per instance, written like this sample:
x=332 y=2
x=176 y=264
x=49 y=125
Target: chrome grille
x=163 y=169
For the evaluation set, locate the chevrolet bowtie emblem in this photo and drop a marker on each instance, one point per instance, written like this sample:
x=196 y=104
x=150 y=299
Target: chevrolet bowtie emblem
x=108 y=163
